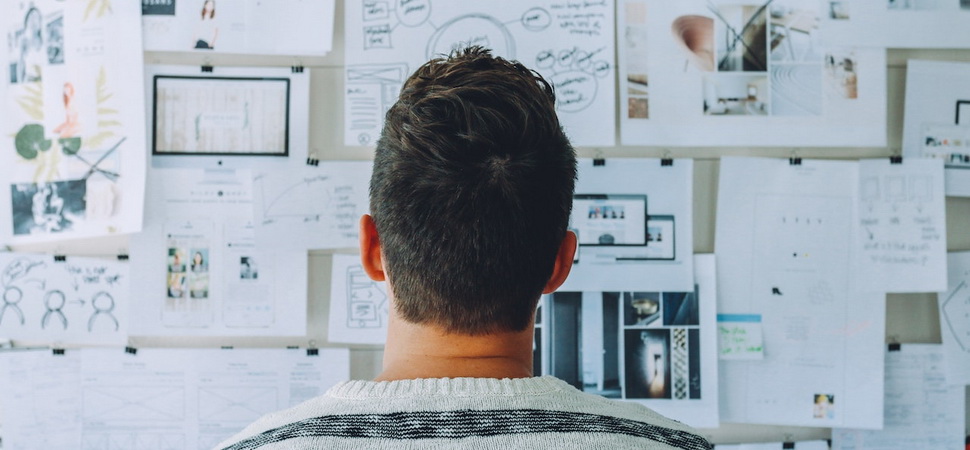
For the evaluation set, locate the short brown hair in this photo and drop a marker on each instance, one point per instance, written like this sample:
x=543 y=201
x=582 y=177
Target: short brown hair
x=471 y=192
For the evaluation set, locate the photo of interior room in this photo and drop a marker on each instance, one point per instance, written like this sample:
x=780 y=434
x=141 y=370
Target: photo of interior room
x=794 y=26
x=736 y=94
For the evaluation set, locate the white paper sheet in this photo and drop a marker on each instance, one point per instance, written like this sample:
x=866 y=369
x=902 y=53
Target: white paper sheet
x=72 y=155
x=157 y=398
x=785 y=247
x=744 y=73
x=921 y=410
x=570 y=43
x=898 y=23
x=902 y=225
x=358 y=305
x=311 y=206
x=266 y=27
x=231 y=117
x=801 y=445
x=937 y=118
x=954 y=305
x=619 y=250
x=200 y=269
x=655 y=348
x=76 y=301
x=40 y=405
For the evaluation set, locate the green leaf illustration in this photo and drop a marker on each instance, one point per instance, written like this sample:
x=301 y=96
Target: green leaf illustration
x=30 y=141
x=70 y=145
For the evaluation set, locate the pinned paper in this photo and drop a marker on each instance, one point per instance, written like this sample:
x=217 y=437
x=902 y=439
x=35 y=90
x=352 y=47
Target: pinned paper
x=739 y=336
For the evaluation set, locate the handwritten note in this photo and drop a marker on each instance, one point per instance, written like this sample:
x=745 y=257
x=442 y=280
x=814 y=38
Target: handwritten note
x=739 y=336
x=902 y=225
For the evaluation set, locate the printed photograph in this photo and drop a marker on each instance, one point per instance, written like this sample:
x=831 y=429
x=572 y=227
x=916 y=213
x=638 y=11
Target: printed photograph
x=824 y=407
x=841 y=79
x=647 y=363
x=47 y=207
x=694 y=35
x=199 y=273
x=793 y=29
x=640 y=308
x=585 y=349
x=741 y=37
x=680 y=308
x=796 y=89
x=736 y=95
x=176 y=280
x=247 y=268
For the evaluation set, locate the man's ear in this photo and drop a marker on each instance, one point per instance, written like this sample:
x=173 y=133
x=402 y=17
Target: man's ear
x=370 y=249
x=564 y=262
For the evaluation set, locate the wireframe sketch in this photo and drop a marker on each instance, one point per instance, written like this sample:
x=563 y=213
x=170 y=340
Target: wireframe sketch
x=955 y=314
x=386 y=39
x=367 y=304
x=236 y=404
x=50 y=300
x=134 y=403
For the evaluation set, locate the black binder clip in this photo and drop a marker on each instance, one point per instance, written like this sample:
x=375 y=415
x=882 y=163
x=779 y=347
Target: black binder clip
x=131 y=350
x=123 y=257
x=226 y=347
x=296 y=69
x=60 y=258
x=794 y=161
x=312 y=352
x=206 y=69
x=895 y=159
x=895 y=346
x=788 y=445
x=666 y=160
x=57 y=351
x=311 y=161
x=599 y=162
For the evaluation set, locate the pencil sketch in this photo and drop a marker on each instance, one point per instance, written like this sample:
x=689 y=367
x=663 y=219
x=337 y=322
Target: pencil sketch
x=366 y=300
x=955 y=313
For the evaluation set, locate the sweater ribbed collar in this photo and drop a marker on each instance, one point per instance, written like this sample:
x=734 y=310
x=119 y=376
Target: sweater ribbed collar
x=448 y=387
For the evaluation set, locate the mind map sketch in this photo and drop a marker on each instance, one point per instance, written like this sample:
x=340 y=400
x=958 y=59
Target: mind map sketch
x=569 y=42
x=77 y=300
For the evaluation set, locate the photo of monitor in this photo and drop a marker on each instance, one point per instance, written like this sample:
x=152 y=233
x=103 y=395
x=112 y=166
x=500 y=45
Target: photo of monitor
x=610 y=219
x=220 y=116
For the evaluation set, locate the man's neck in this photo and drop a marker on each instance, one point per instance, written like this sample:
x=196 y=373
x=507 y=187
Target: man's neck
x=422 y=351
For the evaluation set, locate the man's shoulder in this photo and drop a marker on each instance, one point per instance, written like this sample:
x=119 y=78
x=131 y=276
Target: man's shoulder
x=549 y=409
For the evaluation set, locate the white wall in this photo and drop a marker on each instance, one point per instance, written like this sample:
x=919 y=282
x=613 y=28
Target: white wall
x=910 y=317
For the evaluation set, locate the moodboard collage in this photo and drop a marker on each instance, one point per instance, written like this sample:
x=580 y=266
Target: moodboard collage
x=193 y=137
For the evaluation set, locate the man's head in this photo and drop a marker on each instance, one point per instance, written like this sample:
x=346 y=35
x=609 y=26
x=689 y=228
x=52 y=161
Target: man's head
x=471 y=193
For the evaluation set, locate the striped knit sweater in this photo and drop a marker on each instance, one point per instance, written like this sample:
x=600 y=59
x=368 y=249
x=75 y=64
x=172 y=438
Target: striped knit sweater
x=480 y=413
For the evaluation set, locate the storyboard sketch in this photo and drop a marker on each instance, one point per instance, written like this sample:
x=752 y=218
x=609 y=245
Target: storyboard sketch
x=155 y=398
x=785 y=250
x=200 y=267
x=936 y=123
x=266 y=27
x=358 y=305
x=748 y=73
x=633 y=219
x=230 y=117
x=923 y=410
x=570 y=43
x=311 y=206
x=656 y=348
x=898 y=23
x=902 y=225
x=77 y=300
x=71 y=154
x=954 y=305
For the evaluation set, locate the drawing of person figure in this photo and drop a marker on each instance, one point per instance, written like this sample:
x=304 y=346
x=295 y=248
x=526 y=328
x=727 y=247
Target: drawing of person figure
x=207 y=29
x=32 y=55
x=71 y=126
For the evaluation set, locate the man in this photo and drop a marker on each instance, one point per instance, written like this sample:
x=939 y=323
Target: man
x=470 y=198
